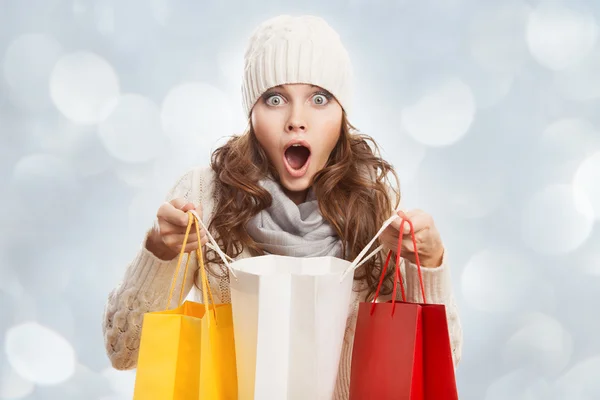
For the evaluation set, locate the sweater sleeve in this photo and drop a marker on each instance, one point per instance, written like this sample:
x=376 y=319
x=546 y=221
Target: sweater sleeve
x=437 y=283
x=144 y=288
x=438 y=290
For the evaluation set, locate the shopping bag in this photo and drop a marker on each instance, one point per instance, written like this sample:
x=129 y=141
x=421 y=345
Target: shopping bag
x=290 y=317
x=187 y=352
x=402 y=350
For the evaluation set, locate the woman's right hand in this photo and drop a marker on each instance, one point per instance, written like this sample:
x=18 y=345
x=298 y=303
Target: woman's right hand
x=166 y=237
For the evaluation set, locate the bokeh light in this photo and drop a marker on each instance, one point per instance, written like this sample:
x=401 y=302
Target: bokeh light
x=550 y=232
x=497 y=280
x=559 y=37
x=196 y=114
x=487 y=110
x=442 y=116
x=582 y=380
x=496 y=36
x=587 y=183
x=132 y=132
x=84 y=87
x=39 y=354
x=542 y=343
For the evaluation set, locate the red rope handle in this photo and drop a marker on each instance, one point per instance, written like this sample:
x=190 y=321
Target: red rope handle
x=398 y=275
x=414 y=240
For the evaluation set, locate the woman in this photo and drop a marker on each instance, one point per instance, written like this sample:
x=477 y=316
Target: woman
x=300 y=168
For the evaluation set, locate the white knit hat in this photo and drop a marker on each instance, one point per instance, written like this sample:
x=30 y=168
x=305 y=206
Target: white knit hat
x=303 y=49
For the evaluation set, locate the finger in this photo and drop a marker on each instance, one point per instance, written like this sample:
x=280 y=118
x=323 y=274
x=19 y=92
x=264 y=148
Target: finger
x=204 y=240
x=395 y=224
x=188 y=207
x=404 y=215
x=191 y=247
x=172 y=215
x=176 y=240
x=419 y=219
x=178 y=203
x=407 y=246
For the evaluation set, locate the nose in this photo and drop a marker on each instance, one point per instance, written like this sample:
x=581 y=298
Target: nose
x=296 y=122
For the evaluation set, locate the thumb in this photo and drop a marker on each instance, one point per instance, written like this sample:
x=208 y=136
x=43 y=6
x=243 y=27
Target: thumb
x=403 y=215
x=188 y=207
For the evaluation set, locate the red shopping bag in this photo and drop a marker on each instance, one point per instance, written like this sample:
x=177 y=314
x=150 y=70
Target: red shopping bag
x=402 y=350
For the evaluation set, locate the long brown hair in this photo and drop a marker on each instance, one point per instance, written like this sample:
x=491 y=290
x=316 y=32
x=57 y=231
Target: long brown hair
x=352 y=190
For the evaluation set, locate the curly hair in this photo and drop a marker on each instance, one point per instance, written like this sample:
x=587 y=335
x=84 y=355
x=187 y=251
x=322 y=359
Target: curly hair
x=352 y=191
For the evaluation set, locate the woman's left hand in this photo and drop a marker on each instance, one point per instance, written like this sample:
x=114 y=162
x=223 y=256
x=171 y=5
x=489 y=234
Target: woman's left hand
x=429 y=242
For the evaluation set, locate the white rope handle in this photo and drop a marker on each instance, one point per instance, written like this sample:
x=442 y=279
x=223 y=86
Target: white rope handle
x=358 y=261
x=213 y=245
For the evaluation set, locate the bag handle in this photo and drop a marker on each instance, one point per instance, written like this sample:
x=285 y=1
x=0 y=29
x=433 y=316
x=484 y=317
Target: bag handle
x=206 y=291
x=359 y=260
x=214 y=246
x=398 y=275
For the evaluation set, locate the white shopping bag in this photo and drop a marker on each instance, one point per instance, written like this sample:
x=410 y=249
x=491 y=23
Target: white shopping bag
x=289 y=317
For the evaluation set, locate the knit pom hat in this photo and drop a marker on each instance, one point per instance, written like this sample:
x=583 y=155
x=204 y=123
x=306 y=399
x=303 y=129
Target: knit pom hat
x=302 y=49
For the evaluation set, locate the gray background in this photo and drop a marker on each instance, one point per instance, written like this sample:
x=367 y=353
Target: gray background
x=488 y=109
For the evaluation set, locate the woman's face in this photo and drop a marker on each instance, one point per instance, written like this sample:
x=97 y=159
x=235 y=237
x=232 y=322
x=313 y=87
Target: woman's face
x=298 y=126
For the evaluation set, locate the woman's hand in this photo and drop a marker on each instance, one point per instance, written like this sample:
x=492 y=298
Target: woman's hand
x=166 y=238
x=429 y=242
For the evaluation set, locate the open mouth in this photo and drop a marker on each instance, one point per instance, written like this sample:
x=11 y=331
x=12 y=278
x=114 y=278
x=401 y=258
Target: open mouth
x=297 y=159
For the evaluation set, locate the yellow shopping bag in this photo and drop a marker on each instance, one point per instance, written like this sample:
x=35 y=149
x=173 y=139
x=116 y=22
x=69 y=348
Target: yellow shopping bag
x=187 y=352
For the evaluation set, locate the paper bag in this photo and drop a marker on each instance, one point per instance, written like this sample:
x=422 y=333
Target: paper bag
x=187 y=352
x=402 y=350
x=290 y=317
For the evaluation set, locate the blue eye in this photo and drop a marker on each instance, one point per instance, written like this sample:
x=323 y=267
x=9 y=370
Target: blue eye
x=322 y=98
x=278 y=100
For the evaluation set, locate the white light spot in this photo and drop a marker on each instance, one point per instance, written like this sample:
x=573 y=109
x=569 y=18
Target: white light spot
x=84 y=87
x=519 y=385
x=441 y=117
x=121 y=382
x=497 y=280
x=587 y=183
x=496 y=37
x=28 y=62
x=552 y=221
x=540 y=342
x=39 y=354
x=12 y=385
x=559 y=37
x=136 y=175
x=582 y=381
x=581 y=82
x=196 y=114
x=562 y=147
x=132 y=132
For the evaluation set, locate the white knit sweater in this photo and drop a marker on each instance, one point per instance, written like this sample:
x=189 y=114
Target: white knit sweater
x=146 y=282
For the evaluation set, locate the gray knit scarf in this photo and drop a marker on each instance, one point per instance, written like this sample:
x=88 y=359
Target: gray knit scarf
x=293 y=230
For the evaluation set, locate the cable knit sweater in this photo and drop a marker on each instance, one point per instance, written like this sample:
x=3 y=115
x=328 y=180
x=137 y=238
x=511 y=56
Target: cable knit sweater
x=147 y=279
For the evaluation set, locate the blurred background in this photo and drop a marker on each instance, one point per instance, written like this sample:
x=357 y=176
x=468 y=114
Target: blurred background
x=488 y=110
